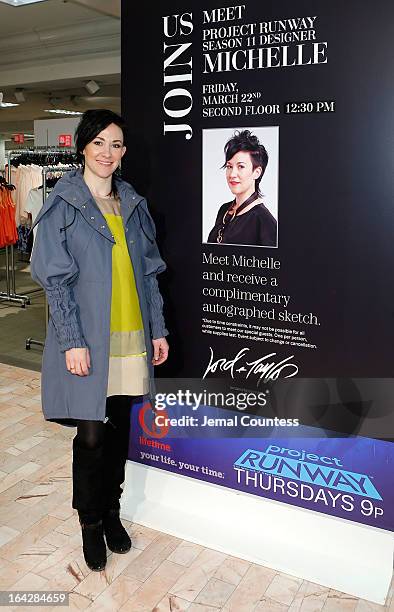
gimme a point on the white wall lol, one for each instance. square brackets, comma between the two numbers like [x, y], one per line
[46, 131]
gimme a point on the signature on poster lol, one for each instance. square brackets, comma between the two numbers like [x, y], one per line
[266, 367]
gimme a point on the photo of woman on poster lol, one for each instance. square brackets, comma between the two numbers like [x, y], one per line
[245, 220]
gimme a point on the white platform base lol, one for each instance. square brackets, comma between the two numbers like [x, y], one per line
[339, 554]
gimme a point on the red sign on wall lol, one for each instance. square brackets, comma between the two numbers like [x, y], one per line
[19, 138]
[65, 140]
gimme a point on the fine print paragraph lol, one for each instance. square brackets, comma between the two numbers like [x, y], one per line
[242, 299]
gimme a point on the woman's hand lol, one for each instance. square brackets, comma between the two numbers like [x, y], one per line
[78, 361]
[160, 351]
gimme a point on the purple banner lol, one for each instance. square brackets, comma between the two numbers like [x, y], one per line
[346, 477]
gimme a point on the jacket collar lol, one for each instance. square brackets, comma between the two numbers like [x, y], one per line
[73, 189]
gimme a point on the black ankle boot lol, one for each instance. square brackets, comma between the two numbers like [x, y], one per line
[94, 549]
[116, 535]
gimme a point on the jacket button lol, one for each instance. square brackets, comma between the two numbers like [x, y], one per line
[92, 218]
[133, 197]
[83, 205]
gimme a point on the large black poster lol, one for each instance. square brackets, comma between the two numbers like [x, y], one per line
[309, 293]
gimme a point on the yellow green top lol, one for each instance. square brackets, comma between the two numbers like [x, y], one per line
[125, 307]
[128, 369]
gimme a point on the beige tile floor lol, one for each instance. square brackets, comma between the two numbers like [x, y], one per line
[40, 542]
[16, 323]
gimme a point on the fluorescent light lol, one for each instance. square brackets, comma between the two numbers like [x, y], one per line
[20, 2]
[58, 111]
[7, 104]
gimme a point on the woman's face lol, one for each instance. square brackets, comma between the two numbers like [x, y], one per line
[103, 154]
[240, 174]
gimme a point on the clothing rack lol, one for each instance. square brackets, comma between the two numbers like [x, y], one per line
[10, 295]
[43, 152]
[45, 171]
[5, 248]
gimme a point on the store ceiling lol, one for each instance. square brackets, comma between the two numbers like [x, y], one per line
[52, 14]
[50, 50]
[108, 7]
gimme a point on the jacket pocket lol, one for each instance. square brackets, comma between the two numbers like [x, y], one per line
[78, 237]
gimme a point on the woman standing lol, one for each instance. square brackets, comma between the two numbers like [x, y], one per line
[96, 256]
[245, 220]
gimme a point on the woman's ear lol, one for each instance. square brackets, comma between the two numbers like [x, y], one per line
[123, 150]
[257, 172]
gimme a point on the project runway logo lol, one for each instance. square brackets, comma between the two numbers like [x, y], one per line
[306, 467]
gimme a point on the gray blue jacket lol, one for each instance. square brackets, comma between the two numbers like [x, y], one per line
[72, 261]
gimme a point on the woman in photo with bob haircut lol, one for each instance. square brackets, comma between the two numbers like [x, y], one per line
[96, 256]
[245, 220]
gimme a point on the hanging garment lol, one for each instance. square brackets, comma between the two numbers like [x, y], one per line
[26, 172]
[8, 233]
[26, 178]
[23, 239]
[33, 205]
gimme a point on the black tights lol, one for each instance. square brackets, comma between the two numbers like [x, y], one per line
[92, 434]
[99, 455]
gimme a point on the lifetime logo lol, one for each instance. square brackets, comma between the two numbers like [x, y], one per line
[273, 461]
[146, 419]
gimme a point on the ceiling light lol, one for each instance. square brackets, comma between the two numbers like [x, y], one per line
[5, 104]
[19, 95]
[58, 111]
[92, 87]
[20, 2]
